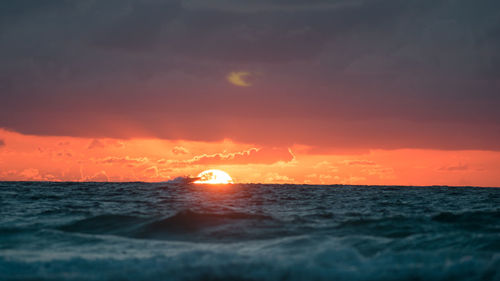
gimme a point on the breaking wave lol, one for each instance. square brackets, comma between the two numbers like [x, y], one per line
[297, 258]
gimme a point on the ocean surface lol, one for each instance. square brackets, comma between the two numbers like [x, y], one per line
[153, 231]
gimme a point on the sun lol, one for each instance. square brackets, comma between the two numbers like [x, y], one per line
[214, 176]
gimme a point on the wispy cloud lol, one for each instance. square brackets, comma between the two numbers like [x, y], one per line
[179, 150]
[122, 160]
[96, 144]
[359, 163]
[239, 78]
[460, 167]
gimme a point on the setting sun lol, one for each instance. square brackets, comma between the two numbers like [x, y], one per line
[214, 176]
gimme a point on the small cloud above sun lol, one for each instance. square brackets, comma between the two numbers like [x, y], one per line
[237, 78]
[214, 176]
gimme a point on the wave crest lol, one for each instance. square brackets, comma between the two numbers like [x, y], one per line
[181, 224]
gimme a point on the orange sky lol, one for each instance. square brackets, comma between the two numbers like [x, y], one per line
[27, 157]
[375, 92]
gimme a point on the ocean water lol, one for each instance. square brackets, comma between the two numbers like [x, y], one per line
[146, 231]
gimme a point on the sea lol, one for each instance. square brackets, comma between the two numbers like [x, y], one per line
[162, 231]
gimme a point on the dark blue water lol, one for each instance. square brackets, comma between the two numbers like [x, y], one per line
[141, 231]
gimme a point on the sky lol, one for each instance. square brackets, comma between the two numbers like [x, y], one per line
[295, 91]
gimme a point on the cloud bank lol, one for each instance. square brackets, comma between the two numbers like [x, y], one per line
[361, 74]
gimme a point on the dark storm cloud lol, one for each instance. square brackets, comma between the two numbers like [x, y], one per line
[140, 27]
[373, 73]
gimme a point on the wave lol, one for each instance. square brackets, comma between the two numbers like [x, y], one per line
[402, 226]
[477, 216]
[189, 224]
[104, 224]
[181, 224]
[391, 227]
[471, 221]
[297, 258]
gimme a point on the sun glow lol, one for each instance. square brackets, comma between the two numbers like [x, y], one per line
[214, 176]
